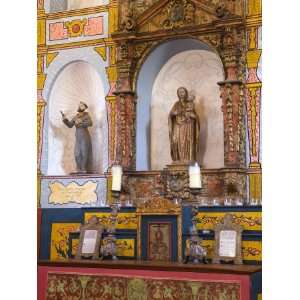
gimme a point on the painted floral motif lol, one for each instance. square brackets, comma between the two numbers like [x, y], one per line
[70, 286]
[60, 240]
[250, 221]
[124, 221]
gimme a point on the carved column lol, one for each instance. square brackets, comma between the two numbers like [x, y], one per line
[253, 97]
[125, 108]
[233, 100]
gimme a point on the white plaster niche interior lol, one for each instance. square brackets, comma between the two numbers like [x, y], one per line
[198, 71]
[62, 5]
[78, 81]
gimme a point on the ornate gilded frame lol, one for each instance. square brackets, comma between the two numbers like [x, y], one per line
[157, 207]
[93, 224]
[228, 225]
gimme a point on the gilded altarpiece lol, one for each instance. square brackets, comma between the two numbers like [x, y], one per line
[221, 26]
[135, 28]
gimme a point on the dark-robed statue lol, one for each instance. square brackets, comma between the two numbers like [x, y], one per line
[83, 146]
[184, 129]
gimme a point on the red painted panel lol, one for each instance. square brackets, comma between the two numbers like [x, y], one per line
[244, 280]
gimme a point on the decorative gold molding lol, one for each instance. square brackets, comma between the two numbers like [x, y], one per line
[252, 38]
[41, 31]
[112, 74]
[158, 206]
[255, 182]
[254, 7]
[65, 46]
[101, 51]
[112, 138]
[112, 19]
[50, 57]
[77, 12]
[254, 21]
[253, 57]
[38, 187]
[41, 78]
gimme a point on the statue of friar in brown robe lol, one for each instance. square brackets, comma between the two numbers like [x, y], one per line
[184, 129]
[83, 146]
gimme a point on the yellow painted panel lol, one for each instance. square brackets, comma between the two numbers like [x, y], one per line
[254, 7]
[259, 297]
[124, 221]
[249, 220]
[41, 32]
[41, 81]
[125, 247]
[60, 239]
[251, 250]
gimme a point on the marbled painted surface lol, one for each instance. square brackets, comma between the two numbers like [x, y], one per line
[79, 81]
[100, 191]
[199, 71]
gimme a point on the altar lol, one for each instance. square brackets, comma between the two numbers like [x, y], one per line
[146, 280]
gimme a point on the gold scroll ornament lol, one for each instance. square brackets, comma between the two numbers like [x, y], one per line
[73, 192]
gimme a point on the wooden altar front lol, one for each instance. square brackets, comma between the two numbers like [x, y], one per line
[146, 280]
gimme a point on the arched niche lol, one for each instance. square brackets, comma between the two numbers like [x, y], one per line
[181, 62]
[77, 81]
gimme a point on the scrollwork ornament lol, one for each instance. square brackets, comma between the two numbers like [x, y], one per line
[179, 13]
[129, 20]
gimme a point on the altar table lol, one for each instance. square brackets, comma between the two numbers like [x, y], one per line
[131, 279]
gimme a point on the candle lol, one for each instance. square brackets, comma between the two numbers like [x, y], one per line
[116, 178]
[195, 177]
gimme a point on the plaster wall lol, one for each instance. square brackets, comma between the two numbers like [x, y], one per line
[78, 81]
[77, 4]
[198, 71]
[63, 5]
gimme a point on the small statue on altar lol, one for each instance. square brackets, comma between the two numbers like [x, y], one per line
[194, 252]
[184, 129]
[109, 247]
[83, 145]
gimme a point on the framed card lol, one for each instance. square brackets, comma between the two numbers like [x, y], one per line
[89, 239]
[228, 240]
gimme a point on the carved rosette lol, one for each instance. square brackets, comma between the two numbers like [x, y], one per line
[177, 184]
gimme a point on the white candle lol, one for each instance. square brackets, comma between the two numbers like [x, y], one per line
[195, 177]
[116, 178]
